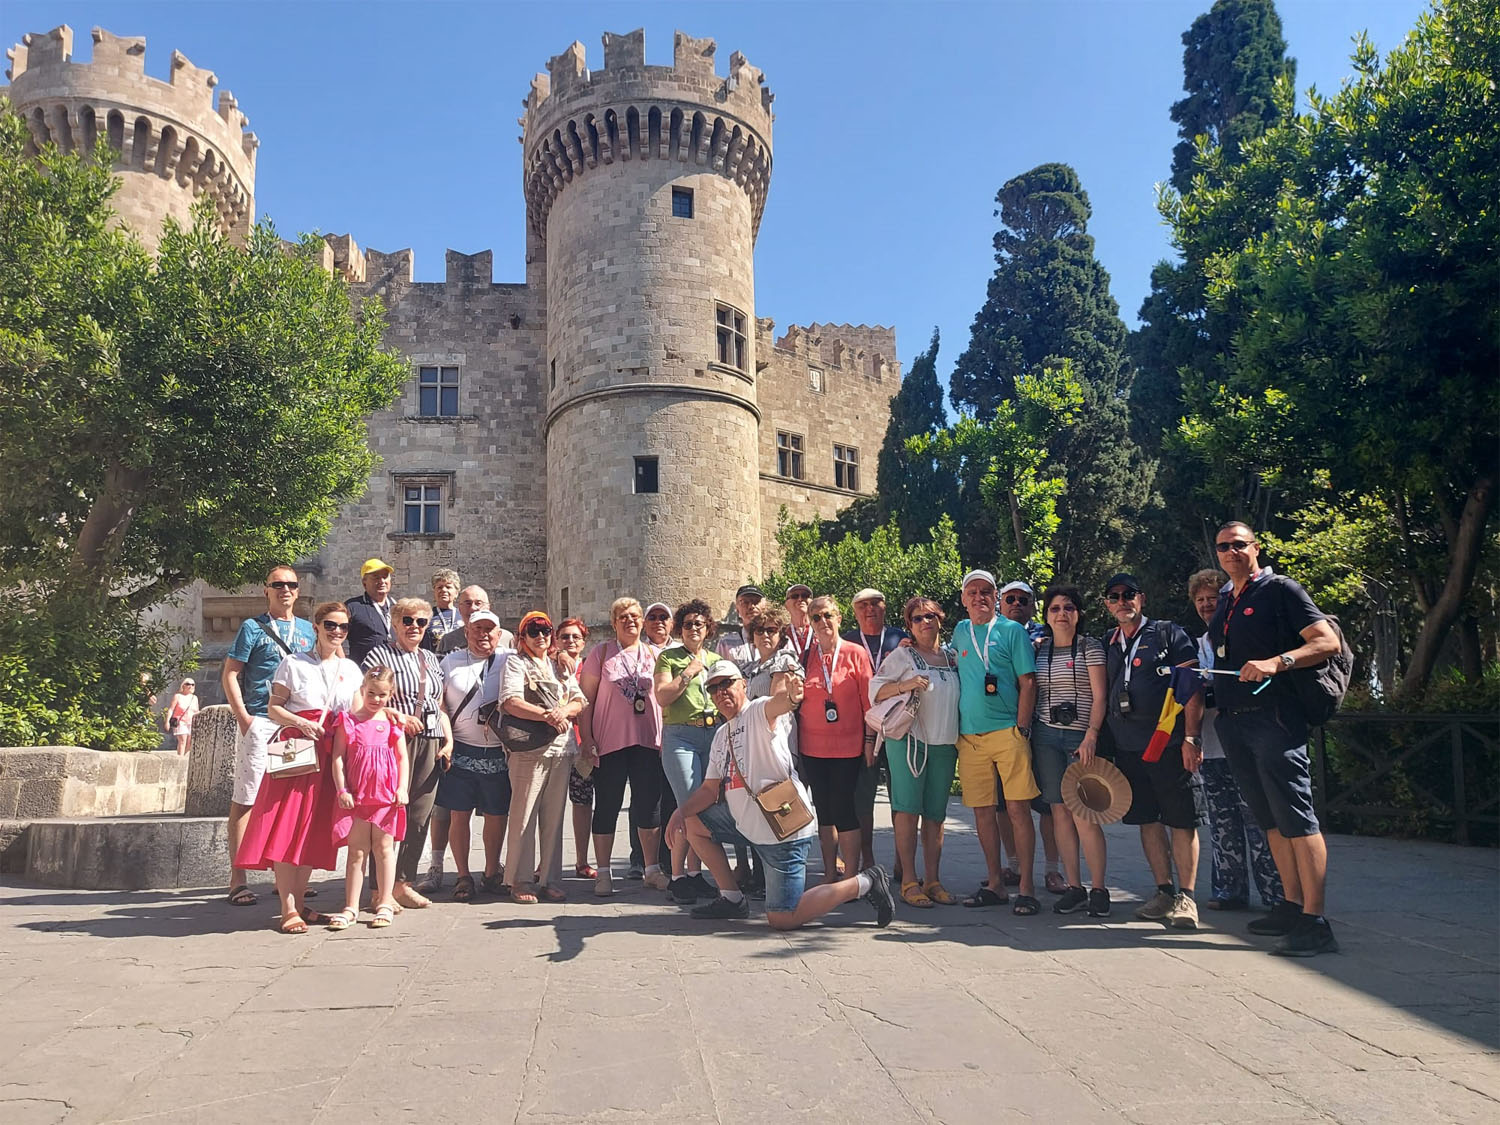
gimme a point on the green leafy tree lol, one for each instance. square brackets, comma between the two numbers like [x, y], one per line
[1049, 301]
[1353, 250]
[196, 414]
[1007, 455]
[843, 566]
[910, 488]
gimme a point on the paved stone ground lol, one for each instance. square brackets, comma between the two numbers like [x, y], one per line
[175, 1007]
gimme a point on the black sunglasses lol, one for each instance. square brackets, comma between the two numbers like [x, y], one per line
[537, 629]
[824, 616]
[658, 617]
[1017, 599]
[765, 630]
[282, 584]
[924, 618]
[1122, 596]
[410, 620]
[335, 626]
[1232, 545]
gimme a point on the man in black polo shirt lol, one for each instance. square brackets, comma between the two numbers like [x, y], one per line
[1167, 793]
[1265, 625]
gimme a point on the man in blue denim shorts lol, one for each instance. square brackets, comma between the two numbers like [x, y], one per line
[749, 753]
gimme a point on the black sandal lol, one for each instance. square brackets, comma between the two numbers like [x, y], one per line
[984, 896]
[242, 896]
[495, 884]
[1025, 906]
[463, 890]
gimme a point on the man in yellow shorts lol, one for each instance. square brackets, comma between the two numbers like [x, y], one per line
[997, 695]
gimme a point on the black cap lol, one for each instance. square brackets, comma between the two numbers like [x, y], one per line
[744, 590]
[1129, 581]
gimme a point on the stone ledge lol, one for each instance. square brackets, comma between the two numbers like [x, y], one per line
[127, 853]
[62, 781]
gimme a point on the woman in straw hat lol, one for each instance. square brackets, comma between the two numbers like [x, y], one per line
[1069, 710]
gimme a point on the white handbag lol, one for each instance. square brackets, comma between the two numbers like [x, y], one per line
[291, 753]
[893, 717]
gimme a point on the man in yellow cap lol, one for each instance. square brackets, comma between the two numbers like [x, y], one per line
[370, 613]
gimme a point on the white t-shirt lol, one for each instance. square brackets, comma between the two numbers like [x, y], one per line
[736, 647]
[762, 752]
[461, 671]
[309, 679]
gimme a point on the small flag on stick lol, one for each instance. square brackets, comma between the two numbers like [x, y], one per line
[1186, 683]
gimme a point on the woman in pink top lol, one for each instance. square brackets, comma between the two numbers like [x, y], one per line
[622, 734]
[831, 733]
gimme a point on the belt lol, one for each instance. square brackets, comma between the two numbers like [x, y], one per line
[703, 721]
[1242, 710]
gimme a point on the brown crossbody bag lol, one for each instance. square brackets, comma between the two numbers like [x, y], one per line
[780, 802]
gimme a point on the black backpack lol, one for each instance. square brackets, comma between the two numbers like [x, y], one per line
[1320, 688]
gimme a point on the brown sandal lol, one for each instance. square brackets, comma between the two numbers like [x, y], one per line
[463, 890]
[913, 895]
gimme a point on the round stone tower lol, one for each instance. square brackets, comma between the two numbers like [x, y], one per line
[645, 186]
[173, 144]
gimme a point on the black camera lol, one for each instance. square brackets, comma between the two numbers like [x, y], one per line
[431, 726]
[486, 712]
[1208, 697]
[1123, 703]
[1064, 714]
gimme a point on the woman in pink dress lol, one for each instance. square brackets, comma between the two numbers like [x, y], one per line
[370, 776]
[290, 829]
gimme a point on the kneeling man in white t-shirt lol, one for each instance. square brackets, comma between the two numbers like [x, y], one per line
[749, 753]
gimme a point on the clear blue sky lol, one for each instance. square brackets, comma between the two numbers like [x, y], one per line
[895, 126]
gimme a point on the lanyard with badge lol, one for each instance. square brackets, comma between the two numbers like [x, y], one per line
[633, 688]
[1123, 702]
[800, 642]
[991, 681]
[826, 662]
[877, 656]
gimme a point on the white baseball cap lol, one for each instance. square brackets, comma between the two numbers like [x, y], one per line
[975, 574]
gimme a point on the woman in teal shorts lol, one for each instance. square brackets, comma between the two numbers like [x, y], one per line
[923, 762]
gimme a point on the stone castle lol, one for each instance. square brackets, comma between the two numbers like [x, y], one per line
[620, 421]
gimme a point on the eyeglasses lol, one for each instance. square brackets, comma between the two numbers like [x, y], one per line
[569, 638]
[410, 620]
[658, 617]
[282, 584]
[924, 618]
[1062, 608]
[825, 617]
[1233, 545]
[537, 629]
[631, 617]
[1017, 599]
[765, 630]
[1121, 596]
[335, 626]
[695, 623]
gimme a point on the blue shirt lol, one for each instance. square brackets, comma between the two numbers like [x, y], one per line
[254, 648]
[1002, 648]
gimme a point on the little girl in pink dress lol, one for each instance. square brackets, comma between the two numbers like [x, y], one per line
[369, 775]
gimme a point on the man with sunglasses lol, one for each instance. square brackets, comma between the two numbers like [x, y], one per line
[1167, 794]
[262, 643]
[1266, 625]
[417, 703]
[370, 613]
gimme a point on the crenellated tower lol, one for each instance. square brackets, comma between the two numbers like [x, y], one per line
[645, 186]
[174, 143]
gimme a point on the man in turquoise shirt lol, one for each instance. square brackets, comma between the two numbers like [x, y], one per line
[997, 695]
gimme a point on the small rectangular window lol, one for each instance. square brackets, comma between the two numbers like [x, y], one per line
[815, 380]
[437, 392]
[422, 506]
[846, 467]
[564, 600]
[682, 203]
[731, 332]
[789, 455]
[645, 475]
[554, 373]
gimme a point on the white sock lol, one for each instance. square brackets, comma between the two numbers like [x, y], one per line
[734, 896]
[864, 883]
[652, 868]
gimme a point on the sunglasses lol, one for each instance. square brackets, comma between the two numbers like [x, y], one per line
[1062, 609]
[924, 618]
[825, 617]
[410, 620]
[536, 629]
[765, 630]
[719, 687]
[1233, 545]
[658, 617]
[1122, 596]
[335, 626]
[695, 623]
[1017, 599]
[282, 584]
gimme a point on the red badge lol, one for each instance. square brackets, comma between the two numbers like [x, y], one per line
[1249, 609]
[1136, 662]
[964, 653]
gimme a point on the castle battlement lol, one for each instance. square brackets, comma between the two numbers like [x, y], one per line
[172, 130]
[577, 119]
[863, 349]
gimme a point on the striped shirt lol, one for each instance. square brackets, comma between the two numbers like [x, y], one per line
[408, 697]
[1063, 676]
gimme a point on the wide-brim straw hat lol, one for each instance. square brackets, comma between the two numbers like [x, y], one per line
[1096, 792]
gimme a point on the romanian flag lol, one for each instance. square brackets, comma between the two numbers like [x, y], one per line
[1186, 682]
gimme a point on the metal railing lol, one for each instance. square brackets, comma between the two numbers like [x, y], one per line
[1435, 776]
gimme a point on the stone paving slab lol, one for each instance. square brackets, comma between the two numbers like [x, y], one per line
[176, 1007]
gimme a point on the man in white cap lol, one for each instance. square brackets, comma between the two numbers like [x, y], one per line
[997, 697]
[1018, 602]
[750, 753]
[878, 639]
[370, 613]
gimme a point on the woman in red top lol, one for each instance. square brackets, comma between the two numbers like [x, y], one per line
[831, 733]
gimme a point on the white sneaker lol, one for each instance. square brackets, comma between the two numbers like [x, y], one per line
[657, 880]
[432, 881]
[604, 885]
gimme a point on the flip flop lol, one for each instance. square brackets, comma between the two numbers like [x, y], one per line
[242, 896]
[913, 895]
[1025, 906]
[986, 897]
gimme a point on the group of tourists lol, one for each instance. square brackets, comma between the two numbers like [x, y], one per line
[386, 724]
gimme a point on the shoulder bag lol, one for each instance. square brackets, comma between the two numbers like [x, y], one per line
[519, 736]
[893, 717]
[780, 802]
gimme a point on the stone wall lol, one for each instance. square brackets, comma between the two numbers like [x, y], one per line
[58, 781]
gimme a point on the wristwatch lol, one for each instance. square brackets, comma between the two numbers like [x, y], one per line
[1288, 661]
[1193, 740]
[1025, 732]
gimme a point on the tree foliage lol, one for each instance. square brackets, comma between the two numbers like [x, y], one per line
[1352, 251]
[1048, 302]
[841, 567]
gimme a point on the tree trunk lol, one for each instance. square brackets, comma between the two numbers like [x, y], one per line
[1471, 659]
[1463, 558]
[103, 533]
[1017, 525]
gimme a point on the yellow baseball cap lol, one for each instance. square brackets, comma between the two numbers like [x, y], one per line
[374, 566]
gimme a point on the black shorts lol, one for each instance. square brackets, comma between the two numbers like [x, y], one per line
[1163, 792]
[833, 782]
[485, 790]
[1268, 756]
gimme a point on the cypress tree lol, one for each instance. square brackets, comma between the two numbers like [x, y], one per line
[914, 490]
